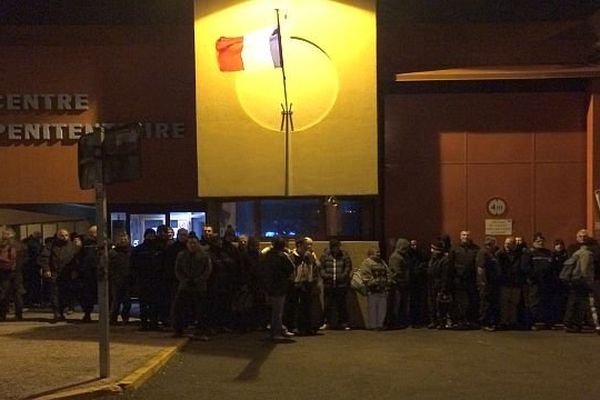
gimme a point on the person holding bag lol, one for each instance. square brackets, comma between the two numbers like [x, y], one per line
[375, 276]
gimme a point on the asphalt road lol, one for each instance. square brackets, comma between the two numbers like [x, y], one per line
[409, 364]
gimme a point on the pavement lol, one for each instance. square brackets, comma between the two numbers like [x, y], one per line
[417, 364]
[47, 361]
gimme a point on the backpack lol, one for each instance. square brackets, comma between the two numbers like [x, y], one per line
[571, 272]
[357, 283]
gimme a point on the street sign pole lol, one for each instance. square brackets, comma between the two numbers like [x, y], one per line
[104, 158]
[103, 323]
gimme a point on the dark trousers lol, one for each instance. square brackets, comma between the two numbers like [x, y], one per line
[88, 294]
[32, 281]
[120, 301]
[540, 303]
[511, 299]
[489, 306]
[398, 308]
[336, 306]
[149, 306]
[303, 297]
[189, 302]
[577, 306]
[11, 287]
[60, 293]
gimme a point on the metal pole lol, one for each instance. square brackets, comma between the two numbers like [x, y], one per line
[286, 111]
[101, 217]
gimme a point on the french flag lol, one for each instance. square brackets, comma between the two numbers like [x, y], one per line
[254, 51]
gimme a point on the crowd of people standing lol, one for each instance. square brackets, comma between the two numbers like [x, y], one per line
[226, 283]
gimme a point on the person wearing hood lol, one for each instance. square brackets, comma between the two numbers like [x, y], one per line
[438, 289]
[399, 298]
[375, 275]
[336, 271]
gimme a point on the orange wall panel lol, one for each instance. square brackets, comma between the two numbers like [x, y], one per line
[130, 73]
[560, 201]
[463, 149]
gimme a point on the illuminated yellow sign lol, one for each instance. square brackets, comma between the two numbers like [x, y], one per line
[324, 84]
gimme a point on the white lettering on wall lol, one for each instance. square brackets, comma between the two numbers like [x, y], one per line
[73, 131]
[44, 102]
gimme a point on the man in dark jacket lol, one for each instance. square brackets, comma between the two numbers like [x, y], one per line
[463, 269]
[88, 273]
[399, 297]
[278, 269]
[147, 280]
[541, 285]
[58, 262]
[336, 270]
[488, 285]
[120, 278]
[192, 268]
[514, 264]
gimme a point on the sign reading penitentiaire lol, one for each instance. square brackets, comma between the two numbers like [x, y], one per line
[59, 105]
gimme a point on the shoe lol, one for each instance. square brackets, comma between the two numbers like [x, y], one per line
[324, 327]
[347, 328]
[288, 334]
[489, 328]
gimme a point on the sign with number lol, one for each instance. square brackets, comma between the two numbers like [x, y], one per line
[496, 206]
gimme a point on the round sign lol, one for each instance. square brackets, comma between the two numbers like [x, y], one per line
[496, 206]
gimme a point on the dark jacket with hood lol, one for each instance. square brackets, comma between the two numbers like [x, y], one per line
[400, 265]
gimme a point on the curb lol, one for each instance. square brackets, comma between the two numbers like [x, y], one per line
[130, 382]
[142, 374]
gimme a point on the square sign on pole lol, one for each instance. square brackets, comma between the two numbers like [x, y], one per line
[107, 156]
[89, 156]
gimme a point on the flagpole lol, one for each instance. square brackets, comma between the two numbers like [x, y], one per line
[286, 113]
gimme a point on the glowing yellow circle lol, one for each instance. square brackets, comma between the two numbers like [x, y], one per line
[312, 87]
